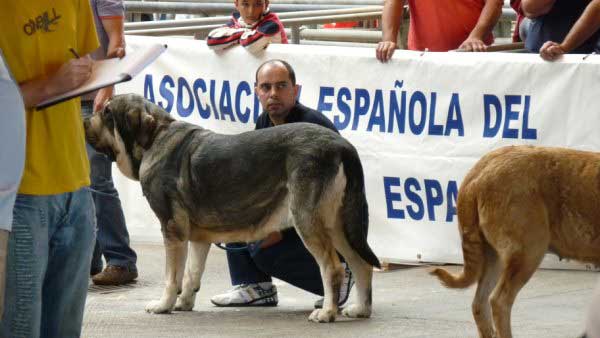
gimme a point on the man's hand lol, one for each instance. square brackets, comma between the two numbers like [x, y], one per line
[72, 74]
[551, 51]
[119, 52]
[102, 97]
[3, 254]
[472, 45]
[271, 239]
[69, 76]
[385, 50]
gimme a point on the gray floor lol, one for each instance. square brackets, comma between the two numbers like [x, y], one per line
[407, 303]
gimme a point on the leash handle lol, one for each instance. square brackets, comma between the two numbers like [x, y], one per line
[221, 246]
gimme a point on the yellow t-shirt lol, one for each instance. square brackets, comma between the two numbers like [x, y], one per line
[36, 37]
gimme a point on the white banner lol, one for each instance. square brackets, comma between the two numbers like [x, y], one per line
[419, 121]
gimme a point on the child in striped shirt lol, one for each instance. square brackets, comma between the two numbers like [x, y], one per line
[252, 25]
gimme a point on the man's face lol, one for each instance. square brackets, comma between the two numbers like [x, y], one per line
[275, 91]
[251, 10]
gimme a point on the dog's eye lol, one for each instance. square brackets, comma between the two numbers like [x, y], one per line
[106, 111]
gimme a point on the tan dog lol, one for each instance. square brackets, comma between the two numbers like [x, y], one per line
[514, 205]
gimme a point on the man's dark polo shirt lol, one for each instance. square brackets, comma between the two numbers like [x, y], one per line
[299, 113]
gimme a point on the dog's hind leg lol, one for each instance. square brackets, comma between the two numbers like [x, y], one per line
[520, 256]
[482, 311]
[363, 273]
[318, 242]
[307, 196]
[331, 272]
[520, 267]
[176, 254]
[193, 273]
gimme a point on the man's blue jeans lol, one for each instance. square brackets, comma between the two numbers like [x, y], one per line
[112, 235]
[48, 265]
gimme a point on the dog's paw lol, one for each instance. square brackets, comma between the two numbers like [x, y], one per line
[322, 316]
[184, 304]
[356, 311]
[158, 306]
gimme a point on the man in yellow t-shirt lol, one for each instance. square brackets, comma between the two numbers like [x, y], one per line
[50, 246]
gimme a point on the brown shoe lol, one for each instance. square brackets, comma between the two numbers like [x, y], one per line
[114, 275]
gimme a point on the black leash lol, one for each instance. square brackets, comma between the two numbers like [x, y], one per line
[221, 246]
[218, 245]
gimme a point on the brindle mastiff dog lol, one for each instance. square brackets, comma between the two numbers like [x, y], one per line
[515, 204]
[208, 188]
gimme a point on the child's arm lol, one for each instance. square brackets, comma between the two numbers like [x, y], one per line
[226, 36]
[258, 39]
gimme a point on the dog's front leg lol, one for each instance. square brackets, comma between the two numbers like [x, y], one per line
[176, 252]
[193, 273]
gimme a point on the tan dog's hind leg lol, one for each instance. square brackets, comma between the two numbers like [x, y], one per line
[176, 252]
[363, 274]
[481, 303]
[193, 273]
[520, 268]
[521, 244]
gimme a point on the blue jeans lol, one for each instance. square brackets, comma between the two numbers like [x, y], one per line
[48, 264]
[288, 260]
[112, 235]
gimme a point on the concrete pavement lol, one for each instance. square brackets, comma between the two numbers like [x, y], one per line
[407, 303]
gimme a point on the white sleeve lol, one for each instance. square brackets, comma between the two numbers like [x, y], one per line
[12, 144]
[255, 41]
[223, 37]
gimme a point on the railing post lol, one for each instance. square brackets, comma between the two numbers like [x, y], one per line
[296, 34]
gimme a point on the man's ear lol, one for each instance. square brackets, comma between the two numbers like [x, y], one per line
[145, 130]
[296, 91]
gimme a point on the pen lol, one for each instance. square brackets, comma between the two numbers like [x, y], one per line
[74, 53]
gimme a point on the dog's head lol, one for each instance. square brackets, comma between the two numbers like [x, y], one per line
[124, 129]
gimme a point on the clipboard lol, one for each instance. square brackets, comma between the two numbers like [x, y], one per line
[109, 72]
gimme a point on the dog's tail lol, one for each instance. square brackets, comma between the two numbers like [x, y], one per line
[355, 211]
[473, 244]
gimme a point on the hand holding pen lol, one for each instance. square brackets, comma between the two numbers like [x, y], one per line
[73, 73]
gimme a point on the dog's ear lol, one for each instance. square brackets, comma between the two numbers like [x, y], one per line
[142, 126]
[145, 130]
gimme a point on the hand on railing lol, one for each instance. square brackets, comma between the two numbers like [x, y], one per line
[385, 50]
[551, 51]
[472, 45]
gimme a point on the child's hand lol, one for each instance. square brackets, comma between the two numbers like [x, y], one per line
[223, 37]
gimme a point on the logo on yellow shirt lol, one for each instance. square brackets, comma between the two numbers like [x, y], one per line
[42, 22]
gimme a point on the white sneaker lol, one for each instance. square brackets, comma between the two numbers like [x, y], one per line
[256, 294]
[345, 288]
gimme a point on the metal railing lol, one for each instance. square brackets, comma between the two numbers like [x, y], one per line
[214, 8]
[300, 2]
[296, 23]
[293, 23]
[223, 19]
[357, 36]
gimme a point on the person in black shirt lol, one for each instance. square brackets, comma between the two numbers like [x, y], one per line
[281, 254]
[552, 20]
[583, 36]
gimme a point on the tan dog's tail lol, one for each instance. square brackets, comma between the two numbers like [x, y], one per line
[472, 244]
